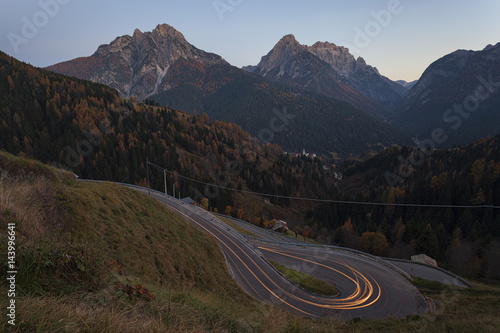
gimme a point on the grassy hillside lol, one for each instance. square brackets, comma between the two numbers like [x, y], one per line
[103, 258]
[83, 249]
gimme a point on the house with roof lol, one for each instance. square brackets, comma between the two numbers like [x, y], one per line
[279, 226]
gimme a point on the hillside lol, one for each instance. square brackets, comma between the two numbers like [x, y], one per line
[287, 116]
[465, 240]
[84, 248]
[88, 129]
[457, 94]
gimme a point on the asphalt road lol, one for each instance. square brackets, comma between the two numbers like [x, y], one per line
[412, 269]
[428, 273]
[367, 289]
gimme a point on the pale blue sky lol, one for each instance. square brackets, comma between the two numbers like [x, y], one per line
[400, 46]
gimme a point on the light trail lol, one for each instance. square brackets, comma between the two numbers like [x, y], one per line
[358, 299]
[367, 290]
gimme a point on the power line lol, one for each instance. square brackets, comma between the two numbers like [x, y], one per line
[323, 200]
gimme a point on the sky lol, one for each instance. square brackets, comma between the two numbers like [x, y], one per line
[399, 37]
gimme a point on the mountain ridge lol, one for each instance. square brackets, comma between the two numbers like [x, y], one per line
[459, 94]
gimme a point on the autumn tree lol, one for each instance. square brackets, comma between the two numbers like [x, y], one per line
[306, 231]
[228, 210]
[240, 213]
[204, 203]
[349, 236]
[373, 242]
[297, 230]
[204, 118]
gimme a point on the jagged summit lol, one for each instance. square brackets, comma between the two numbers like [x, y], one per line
[281, 55]
[136, 65]
[333, 71]
[289, 41]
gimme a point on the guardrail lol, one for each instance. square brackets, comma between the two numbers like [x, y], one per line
[258, 229]
[468, 284]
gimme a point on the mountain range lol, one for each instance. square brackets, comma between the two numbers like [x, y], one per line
[331, 70]
[341, 101]
[163, 66]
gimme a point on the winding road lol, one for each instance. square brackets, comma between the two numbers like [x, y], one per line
[367, 289]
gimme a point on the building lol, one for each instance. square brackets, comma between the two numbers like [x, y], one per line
[279, 226]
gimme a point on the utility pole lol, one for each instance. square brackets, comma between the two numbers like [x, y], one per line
[165, 177]
[173, 190]
[147, 172]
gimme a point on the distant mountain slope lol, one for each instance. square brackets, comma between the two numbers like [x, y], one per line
[331, 70]
[136, 65]
[316, 123]
[459, 93]
[438, 73]
[407, 85]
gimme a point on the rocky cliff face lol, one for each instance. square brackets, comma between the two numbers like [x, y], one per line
[358, 74]
[281, 61]
[136, 65]
[331, 70]
[337, 57]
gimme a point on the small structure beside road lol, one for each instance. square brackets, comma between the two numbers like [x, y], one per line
[279, 226]
[424, 259]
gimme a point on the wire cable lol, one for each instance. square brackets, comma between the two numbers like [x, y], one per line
[324, 200]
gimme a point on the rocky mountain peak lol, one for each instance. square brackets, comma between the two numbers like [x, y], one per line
[288, 40]
[337, 57]
[329, 52]
[138, 36]
[281, 55]
[137, 65]
[165, 30]
[288, 44]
